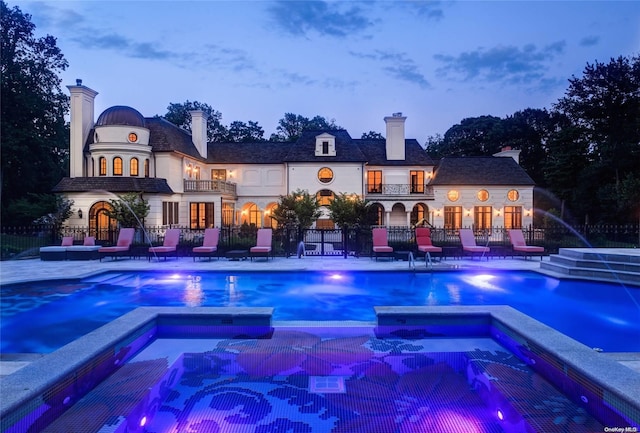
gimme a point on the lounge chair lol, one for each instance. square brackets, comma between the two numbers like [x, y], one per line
[122, 247]
[520, 246]
[469, 246]
[423, 239]
[381, 243]
[209, 245]
[56, 252]
[169, 245]
[263, 244]
[87, 251]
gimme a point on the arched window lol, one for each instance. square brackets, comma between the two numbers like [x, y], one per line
[103, 166]
[325, 196]
[133, 167]
[251, 214]
[117, 166]
[146, 168]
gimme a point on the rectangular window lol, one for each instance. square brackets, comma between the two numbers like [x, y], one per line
[374, 181]
[417, 181]
[325, 147]
[227, 214]
[452, 217]
[513, 217]
[146, 168]
[170, 212]
[201, 215]
[103, 166]
[219, 174]
[482, 217]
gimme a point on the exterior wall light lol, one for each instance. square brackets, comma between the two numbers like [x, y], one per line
[80, 213]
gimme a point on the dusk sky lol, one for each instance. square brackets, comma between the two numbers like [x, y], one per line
[352, 61]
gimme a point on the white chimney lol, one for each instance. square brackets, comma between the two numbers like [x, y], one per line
[199, 131]
[508, 152]
[395, 136]
[81, 117]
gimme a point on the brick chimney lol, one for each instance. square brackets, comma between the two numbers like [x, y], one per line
[81, 117]
[199, 131]
[395, 136]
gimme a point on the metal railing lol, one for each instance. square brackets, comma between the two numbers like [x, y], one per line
[25, 241]
[395, 189]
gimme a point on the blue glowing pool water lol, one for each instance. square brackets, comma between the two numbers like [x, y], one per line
[43, 316]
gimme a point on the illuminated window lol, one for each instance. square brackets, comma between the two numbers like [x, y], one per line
[452, 217]
[103, 166]
[219, 174]
[201, 215]
[513, 195]
[117, 166]
[453, 195]
[374, 181]
[133, 137]
[325, 175]
[133, 167]
[482, 217]
[146, 168]
[325, 197]
[513, 217]
[417, 181]
[483, 195]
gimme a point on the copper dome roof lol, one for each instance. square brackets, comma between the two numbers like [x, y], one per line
[120, 115]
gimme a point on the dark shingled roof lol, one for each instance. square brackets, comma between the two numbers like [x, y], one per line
[120, 115]
[481, 170]
[262, 152]
[164, 136]
[375, 151]
[113, 184]
[304, 149]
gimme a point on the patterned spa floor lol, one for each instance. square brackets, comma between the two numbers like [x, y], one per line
[370, 385]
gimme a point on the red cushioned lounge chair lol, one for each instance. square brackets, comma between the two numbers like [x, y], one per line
[263, 244]
[123, 246]
[209, 245]
[381, 243]
[469, 246]
[423, 239]
[520, 246]
[169, 245]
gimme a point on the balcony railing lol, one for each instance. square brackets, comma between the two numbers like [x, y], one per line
[401, 189]
[210, 185]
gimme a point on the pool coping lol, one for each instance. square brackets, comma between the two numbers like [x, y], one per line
[29, 383]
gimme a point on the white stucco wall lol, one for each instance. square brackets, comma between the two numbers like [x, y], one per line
[347, 178]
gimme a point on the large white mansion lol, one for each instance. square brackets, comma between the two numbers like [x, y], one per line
[192, 183]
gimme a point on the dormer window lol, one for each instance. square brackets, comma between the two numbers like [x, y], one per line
[325, 145]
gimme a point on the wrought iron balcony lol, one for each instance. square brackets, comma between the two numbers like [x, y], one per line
[397, 189]
[210, 185]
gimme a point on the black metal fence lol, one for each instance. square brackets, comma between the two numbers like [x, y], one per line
[23, 242]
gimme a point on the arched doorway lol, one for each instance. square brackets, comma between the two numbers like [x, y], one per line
[250, 215]
[420, 215]
[101, 225]
[269, 221]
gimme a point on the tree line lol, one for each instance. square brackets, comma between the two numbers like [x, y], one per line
[583, 152]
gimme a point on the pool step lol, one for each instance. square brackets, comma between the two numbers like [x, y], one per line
[628, 359]
[12, 362]
[621, 265]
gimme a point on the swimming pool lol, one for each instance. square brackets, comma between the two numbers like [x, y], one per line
[472, 369]
[43, 316]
